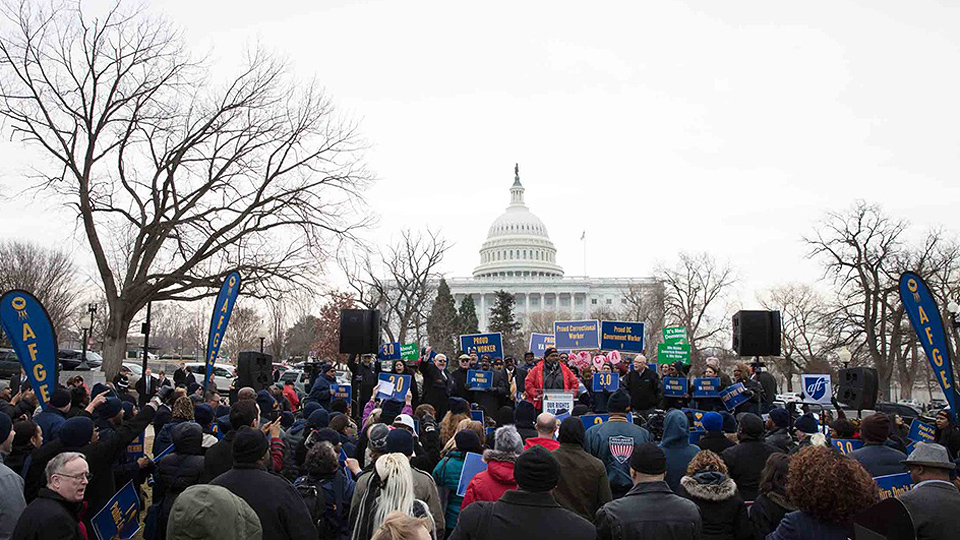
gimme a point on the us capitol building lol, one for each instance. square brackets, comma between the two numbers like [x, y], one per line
[518, 257]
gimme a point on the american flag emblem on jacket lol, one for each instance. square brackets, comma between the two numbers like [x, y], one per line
[621, 447]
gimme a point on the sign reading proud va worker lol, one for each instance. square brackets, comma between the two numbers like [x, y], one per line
[571, 335]
[483, 344]
[621, 336]
[540, 342]
[32, 337]
[479, 380]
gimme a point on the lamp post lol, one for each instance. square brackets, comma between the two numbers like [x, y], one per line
[844, 355]
[261, 344]
[87, 325]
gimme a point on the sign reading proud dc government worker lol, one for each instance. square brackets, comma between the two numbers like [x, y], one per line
[483, 344]
[608, 382]
[27, 325]
[706, 387]
[621, 336]
[540, 342]
[734, 395]
[571, 335]
[479, 380]
[400, 385]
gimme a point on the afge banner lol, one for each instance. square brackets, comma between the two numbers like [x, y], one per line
[31, 335]
[221, 316]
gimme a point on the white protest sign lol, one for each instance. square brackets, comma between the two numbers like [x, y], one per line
[555, 402]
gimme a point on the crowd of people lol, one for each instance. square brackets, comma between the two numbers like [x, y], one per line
[279, 463]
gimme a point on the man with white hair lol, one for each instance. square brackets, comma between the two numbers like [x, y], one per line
[643, 385]
[53, 514]
[436, 383]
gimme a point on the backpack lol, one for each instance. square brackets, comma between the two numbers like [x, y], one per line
[324, 513]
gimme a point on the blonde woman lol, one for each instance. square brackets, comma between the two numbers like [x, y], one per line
[389, 489]
[399, 526]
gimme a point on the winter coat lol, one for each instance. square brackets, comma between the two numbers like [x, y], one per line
[492, 483]
[164, 438]
[583, 487]
[447, 475]
[799, 526]
[879, 459]
[12, 502]
[745, 462]
[320, 391]
[205, 511]
[644, 388]
[50, 419]
[49, 517]
[612, 443]
[533, 384]
[126, 467]
[281, 511]
[490, 400]
[364, 379]
[177, 471]
[781, 439]
[326, 486]
[368, 489]
[676, 446]
[933, 509]
[521, 514]
[722, 510]
[292, 441]
[649, 510]
[436, 386]
[767, 511]
[458, 385]
[526, 431]
[949, 438]
[715, 441]
[549, 443]
[18, 456]
[218, 459]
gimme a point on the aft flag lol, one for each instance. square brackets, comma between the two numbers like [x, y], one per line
[32, 337]
[221, 316]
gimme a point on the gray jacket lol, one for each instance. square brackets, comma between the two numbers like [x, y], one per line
[12, 502]
[933, 510]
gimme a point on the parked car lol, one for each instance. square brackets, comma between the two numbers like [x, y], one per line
[9, 363]
[223, 374]
[907, 412]
[70, 359]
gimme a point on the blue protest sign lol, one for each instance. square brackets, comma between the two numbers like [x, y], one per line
[925, 319]
[594, 419]
[571, 335]
[476, 415]
[27, 325]
[893, 485]
[120, 517]
[706, 387]
[483, 344]
[341, 391]
[400, 383]
[911, 446]
[472, 465]
[609, 382]
[847, 446]
[695, 436]
[674, 386]
[697, 418]
[163, 454]
[621, 336]
[920, 431]
[490, 432]
[540, 342]
[479, 380]
[390, 351]
[226, 299]
[733, 395]
[135, 449]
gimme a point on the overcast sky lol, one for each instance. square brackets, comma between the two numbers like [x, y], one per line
[657, 127]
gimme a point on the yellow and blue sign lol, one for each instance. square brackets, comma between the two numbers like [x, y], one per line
[120, 518]
[539, 343]
[135, 449]
[390, 351]
[893, 485]
[226, 299]
[479, 380]
[608, 382]
[734, 395]
[570, 335]
[28, 327]
[674, 386]
[401, 385]
[921, 432]
[706, 387]
[476, 415]
[927, 323]
[341, 391]
[483, 344]
[847, 446]
[697, 415]
[621, 336]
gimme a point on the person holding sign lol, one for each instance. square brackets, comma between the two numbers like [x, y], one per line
[54, 513]
[947, 434]
[400, 368]
[604, 387]
[436, 383]
[934, 500]
[320, 391]
[644, 387]
[488, 387]
[492, 483]
[550, 374]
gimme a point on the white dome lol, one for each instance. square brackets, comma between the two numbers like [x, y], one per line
[517, 245]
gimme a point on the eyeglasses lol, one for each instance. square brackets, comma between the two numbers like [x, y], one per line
[79, 477]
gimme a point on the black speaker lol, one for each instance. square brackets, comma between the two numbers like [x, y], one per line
[756, 333]
[254, 369]
[359, 331]
[858, 387]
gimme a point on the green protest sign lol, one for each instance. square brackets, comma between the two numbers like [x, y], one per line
[409, 353]
[675, 335]
[668, 354]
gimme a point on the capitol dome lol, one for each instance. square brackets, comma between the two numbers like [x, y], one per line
[517, 245]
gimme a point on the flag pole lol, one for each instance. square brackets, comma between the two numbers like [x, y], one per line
[583, 237]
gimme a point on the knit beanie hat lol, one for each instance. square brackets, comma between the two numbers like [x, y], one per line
[808, 424]
[580, 409]
[729, 422]
[712, 421]
[875, 428]
[203, 414]
[507, 439]
[619, 402]
[249, 445]
[780, 417]
[400, 441]
[391, 408]
[110, 408]
[328, 435]
[377, 437]
[648, 458]
[751, 425]
[100, 388]
[505, 416]
[76, 432]
[319, 418]
[127, 409]
[308, 408]
[60, 398]
[536, 470]
[6, 426]
[457, 406]
[468, 441]
[526, 413]
[572, 431]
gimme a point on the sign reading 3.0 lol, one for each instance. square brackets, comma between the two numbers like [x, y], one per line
[401, 385]
[608, 382]
[483, 344]
[390, 351]
[571, 335]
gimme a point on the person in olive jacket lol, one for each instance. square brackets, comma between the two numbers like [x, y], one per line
[583, 487]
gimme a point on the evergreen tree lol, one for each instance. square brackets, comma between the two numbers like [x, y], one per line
[442, 326]
[502, 320]
[467, 320]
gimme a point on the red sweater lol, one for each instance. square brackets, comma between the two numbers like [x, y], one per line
[549, 444]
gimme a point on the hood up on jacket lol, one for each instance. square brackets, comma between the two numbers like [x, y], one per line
[676, 430]
[187, 438]
[709, 486]
[204, 512]
[500, 465]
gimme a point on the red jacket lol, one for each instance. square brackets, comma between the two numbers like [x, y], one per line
[492, 483]
[291, 395]
[549, 444]
[534, 383]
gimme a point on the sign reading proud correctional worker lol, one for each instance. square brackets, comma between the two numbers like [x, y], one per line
[27, 325]
[483, 344]
[621, 336]
[571, 335]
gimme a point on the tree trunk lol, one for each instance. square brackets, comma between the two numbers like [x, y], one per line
[115, 344]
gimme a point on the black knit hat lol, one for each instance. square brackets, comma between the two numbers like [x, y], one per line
[536, 470]
[60, 398]
[619, 402]
[648, 458]
[468, 441]
[751, 425]
[457, 406]
[391, 408]
[249, 445]
[571, 431]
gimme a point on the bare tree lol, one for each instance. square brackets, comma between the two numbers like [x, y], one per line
[176, 181]
[244, 331]
[399, 280]
[693, 289]
[646, 304]
[541, 322]
[46, 273]
[806, 336]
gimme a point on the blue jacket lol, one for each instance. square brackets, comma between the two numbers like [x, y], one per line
[879, 459]
[676, 445]
[447, 475]
[612, 443]
[321, 392]
[50, 419]
[800, 526]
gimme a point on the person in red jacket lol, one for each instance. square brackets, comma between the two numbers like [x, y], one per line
[550, 374]
[492, 483]
[546, 429]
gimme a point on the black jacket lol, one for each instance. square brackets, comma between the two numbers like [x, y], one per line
[280, 508]
[649, 510]
[49, 517]
[644, 388]
[489, 400]
[722, 510]
[142, 392]
[364, 379]
[459, 385]
[745, 462]
[715, 441]
[178, 470]
[767, 511]
[436, 386]
[781, 439]
[521, 514]
[218, 459]
[949, 438]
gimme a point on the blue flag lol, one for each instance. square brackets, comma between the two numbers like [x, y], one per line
[927, 323]
[28, 327]
[120, 517]
[221, 316]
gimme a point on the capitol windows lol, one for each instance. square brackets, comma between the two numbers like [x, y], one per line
[593, 301]
[609, 301]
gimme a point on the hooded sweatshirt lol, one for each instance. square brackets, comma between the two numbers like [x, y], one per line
[205, 511]
[676, 445]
